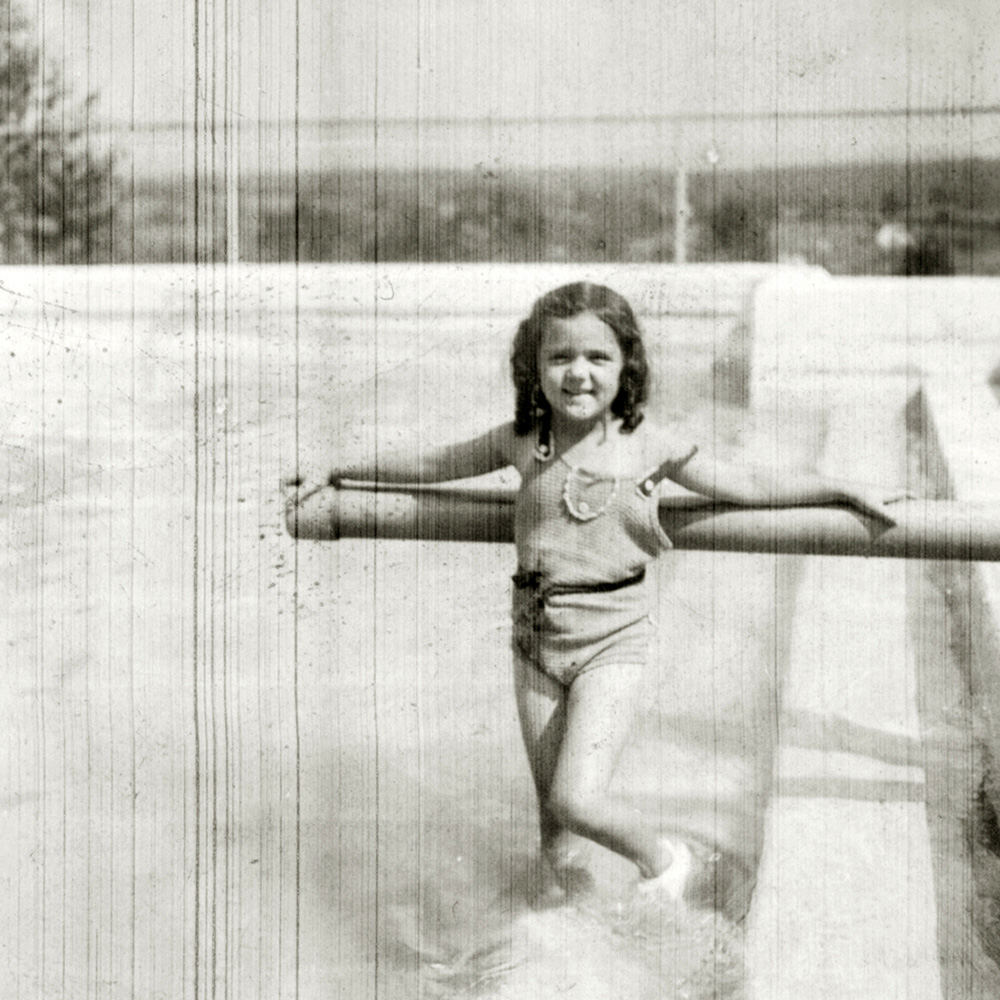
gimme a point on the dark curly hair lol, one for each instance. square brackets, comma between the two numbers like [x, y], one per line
[531, 409]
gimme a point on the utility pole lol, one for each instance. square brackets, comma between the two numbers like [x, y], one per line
[231, 129]
[681, 207]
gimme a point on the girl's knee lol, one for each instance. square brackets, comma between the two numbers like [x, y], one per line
[549, 825]
[575, 810]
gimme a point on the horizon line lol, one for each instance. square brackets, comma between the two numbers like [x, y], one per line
[244, 121]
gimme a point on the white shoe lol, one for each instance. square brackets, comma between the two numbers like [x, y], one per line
[670, 884]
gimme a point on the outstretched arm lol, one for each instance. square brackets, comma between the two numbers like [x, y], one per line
[760, 486]
[462, 460]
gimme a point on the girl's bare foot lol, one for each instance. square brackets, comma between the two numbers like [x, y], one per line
[571, 872]
[670, 883]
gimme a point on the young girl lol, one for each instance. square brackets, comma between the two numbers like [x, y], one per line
[586, 525]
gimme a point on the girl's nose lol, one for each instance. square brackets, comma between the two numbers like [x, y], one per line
[578, 369]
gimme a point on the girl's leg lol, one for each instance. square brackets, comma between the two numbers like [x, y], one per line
[541, 705]
[596, 721]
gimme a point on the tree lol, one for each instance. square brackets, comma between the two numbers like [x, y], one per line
[739, 228]
[929, 254]
[56, 193]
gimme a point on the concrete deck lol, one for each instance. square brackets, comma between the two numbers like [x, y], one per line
[868, 881]
[844, 907]
[231, 763]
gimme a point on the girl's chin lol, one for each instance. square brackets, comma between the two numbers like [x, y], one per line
[574, 414]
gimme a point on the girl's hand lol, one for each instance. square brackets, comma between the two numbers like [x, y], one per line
[297, 479]
[874, 503]
[301, 482]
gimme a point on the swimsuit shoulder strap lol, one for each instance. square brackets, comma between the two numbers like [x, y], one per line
[649, 482]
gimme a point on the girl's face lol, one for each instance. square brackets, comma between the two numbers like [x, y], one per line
[579, 367]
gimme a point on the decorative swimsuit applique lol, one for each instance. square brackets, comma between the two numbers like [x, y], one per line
[586, 495]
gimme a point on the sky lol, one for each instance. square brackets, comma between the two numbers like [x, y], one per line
[408, 64]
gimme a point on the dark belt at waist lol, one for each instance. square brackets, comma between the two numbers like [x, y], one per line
[533, 580]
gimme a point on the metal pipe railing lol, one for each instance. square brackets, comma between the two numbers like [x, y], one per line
[924, 529]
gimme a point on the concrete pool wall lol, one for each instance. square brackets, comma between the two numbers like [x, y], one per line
[858, 866]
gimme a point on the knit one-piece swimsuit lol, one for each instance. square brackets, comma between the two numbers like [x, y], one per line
[581, 598]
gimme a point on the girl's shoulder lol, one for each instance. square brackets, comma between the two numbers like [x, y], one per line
[503, 438]
[520, 448]
[664, 441]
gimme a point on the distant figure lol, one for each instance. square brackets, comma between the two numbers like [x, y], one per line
[914, 255]
[893, 237]
[586, 526]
